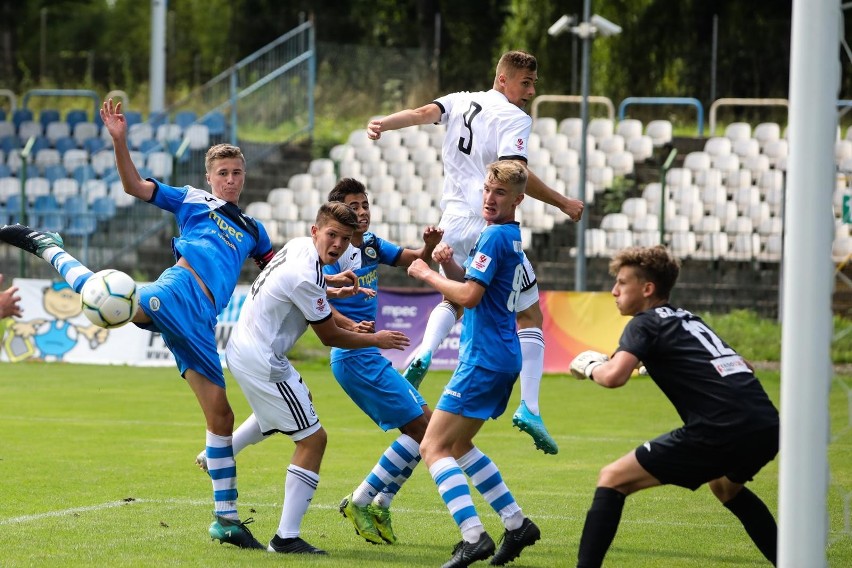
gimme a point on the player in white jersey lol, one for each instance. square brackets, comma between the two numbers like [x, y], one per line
[287, 296]
[483, 127]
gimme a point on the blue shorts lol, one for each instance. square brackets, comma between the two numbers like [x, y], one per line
[186, 318]
[378, 389]
[477, 392]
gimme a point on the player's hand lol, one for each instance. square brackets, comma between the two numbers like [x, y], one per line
[388, 339]
[364, 327]
[374, 129]
[443, 253]
[341, 279]
[432, 236]
[419, 269]
[114, 121]
[9, 302]
[573, 208]
[583, 364]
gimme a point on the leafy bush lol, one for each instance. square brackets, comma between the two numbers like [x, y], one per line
[759, 339]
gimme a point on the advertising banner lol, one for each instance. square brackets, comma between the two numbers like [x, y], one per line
[54, 329]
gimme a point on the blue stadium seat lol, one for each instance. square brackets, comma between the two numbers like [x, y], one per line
[110, 174]
[54, 172]
[2, 114]
[64, 144]
[47, 116]
[46, 214]
[83, 173]
[21, 115]
[156, 119]
[184, 118]
[40, 143]
[103, 208]
[132, 117]
[13, 208]
[215, 122]
[80, 221]
[5, 171]
[149, 145]
[9, 143]
[76, 115]
[94, 145]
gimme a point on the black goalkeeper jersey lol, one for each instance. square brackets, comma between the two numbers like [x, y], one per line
[716, 395]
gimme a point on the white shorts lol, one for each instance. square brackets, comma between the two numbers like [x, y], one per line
[461, 232]
[279, 407]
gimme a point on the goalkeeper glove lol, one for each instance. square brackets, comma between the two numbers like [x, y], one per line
[586, 362]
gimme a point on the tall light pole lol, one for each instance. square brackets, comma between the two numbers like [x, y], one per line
[586, 30]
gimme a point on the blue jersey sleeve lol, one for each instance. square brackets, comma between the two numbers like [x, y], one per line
[482, 264]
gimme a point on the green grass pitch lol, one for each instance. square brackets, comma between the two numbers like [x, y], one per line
[97, 469]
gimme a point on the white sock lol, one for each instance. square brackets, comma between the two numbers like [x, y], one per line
[299, 488]
[438, 327]
[247, 434]
[532, 367]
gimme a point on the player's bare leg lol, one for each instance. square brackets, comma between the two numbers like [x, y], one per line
[438, 327]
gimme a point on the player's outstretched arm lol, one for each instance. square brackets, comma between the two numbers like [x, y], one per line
[612, 373]
[333, 336]
[431, 238]
[115, 122]
[537, 189]
[427, 114]
[467, 294]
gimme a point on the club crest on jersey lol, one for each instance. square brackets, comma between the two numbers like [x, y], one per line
[321, 305]
[371, 252]
[481, 262]
[519, 145]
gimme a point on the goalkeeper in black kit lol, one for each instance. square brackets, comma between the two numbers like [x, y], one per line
[730, 428]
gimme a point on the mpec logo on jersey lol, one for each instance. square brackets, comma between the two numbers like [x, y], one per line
[519, 145]
[481, 262]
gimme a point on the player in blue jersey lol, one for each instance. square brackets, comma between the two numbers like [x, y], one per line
[489, 288]
[368, 377]
[730, 428]
[215, 239]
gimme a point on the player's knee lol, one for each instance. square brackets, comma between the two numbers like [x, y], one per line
[530, 317]
[416, 429]
[723, 489]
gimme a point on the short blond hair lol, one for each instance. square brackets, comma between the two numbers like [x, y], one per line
[516, 60]
[511, 173]
[336, 211]
[222, 152]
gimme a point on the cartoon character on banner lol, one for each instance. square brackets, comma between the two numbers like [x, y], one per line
[51, 339]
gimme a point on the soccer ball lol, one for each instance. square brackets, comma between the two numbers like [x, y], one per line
[109, 298]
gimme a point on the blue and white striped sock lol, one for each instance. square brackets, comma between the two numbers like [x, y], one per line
[404, 455]
[454, 490]
[392, 470]
[488, 481]
[223, 471]
[68, 267]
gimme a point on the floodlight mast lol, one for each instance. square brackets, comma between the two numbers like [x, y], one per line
[585, 30]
